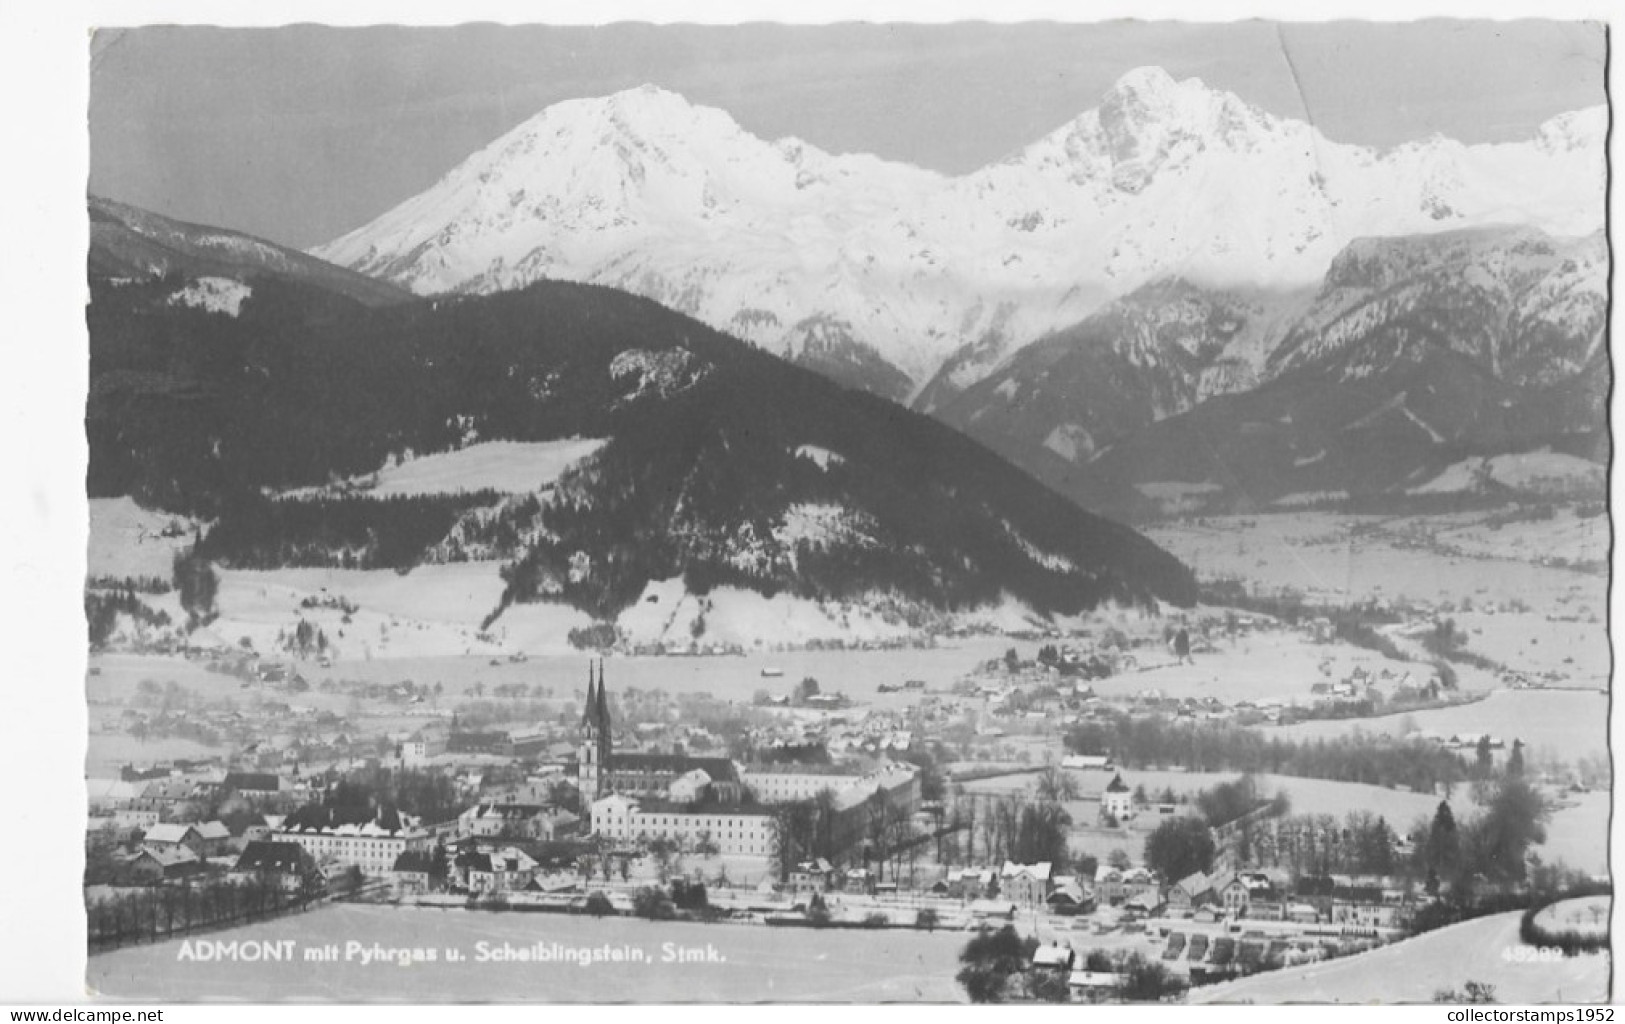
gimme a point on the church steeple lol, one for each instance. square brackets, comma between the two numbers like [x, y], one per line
[603, 699]
[596, 751]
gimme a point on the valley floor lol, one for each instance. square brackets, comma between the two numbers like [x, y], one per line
[1485, 950]
[761, 964]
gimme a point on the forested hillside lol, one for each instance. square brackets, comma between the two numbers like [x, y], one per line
[724, 464]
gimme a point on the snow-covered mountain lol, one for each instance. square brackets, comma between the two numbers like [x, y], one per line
[1414, 354]
[1491, 338]
[1154, 353]
[915, 284]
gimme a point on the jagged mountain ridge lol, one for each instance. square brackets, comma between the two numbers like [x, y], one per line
[1529, 308]
[932, 280]
[1154, 353]
[725, 465]
[131, 243]
[1414, 353]
[1524, 308]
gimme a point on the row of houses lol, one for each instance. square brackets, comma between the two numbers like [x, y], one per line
[1340, 900]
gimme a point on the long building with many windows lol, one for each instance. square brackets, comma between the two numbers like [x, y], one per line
[371, 845]
[736, 830]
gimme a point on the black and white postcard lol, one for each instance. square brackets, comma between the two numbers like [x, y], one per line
[1035, 512]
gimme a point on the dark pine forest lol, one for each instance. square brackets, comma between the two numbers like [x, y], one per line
[210, 415]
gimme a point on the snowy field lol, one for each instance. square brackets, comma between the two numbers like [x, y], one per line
[457, 592]
[105, 754]
[859, 674]
[1342, 558]
[1586, 914]
[508, 467]
[432, 611]
[1566, 535]
[666, 612]
[1543, 471]
[762, 964]
[1568, 724]
[1484, 950]
[120, 675]
[511, 467]
[1277, 665]
[1577, 833]
[126, 540]
[1577, 652]
[435, 609]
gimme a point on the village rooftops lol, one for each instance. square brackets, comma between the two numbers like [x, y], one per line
[1039, 872]
[251, 782]
[652, 805]
[168, 857]
[720, 769]
[795, 768]
[473, 860]
[413, 860]
[317, 819]
[887, 777]
[506, 812]
[1068, 888]
[1147, 901]
[280, 857]
[170, 832]
[213, 831]
[1106, 873]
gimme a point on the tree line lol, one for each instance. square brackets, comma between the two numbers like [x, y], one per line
[1152, 742]
[158, 912]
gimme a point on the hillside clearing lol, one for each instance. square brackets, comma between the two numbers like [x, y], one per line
[508, 467]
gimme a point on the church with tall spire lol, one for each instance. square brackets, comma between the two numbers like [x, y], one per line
[596, 739]
[635, 795]
[600, 771]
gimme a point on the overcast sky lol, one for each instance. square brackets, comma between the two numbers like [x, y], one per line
[300, 134]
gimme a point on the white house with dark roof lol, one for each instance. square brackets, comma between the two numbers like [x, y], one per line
[170, 836]
[1026, 883]
[1117, 800]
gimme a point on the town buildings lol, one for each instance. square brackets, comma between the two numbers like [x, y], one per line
[736, 830]
[371, 843]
